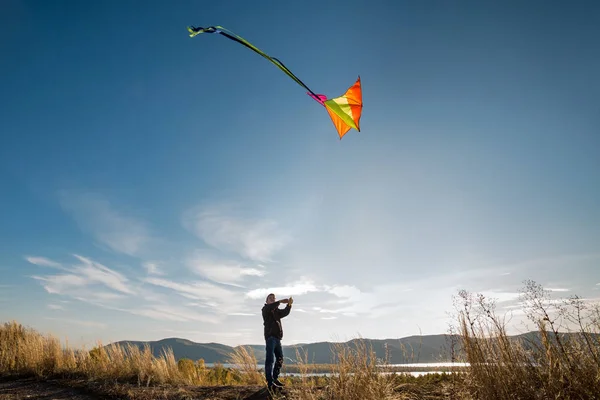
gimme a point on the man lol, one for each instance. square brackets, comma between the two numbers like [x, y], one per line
[273, 334]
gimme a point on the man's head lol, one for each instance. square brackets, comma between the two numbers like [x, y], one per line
[270, 298]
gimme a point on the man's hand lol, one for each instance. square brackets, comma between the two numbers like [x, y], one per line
[290, 301]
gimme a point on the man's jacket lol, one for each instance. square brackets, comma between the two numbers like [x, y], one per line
[272, 319]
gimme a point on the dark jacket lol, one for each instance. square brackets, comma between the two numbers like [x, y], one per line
[272, 319]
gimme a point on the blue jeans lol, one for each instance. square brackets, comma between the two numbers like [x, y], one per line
[274, 355]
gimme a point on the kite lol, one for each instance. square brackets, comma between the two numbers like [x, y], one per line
[345, 111]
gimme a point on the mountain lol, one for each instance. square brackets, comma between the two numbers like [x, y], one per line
[411, 349]
[430, 348]
[183, 348]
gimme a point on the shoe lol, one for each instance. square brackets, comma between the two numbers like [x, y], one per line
[278, 383]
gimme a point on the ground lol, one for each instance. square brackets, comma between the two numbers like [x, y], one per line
[30, 388]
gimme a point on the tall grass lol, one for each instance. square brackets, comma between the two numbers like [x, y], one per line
[356, 374]
[558, 361]
[23, 351]
[245, 360]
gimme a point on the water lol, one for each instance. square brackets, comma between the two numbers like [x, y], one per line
[414, 369]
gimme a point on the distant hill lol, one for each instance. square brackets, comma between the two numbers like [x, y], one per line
[183, 348]
[412, 349]
[431, 348]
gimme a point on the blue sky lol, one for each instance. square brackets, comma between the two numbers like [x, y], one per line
[154, 185]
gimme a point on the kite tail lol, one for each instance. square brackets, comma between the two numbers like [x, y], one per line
[236, 38]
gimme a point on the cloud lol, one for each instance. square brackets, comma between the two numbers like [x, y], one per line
[557, 290]
[96, 272]
[43, 262]
[94, 283]
[291, 290]
[90, 324]
[223, 271]
[345, 291]
[162, 308]
[381, 300]
[171, 313]
[500, 296]
[88, 273]
[60, 284]
[206, 291]
[152, 268]
[99, 296]
[254, 239]
[96, 216]
[215, 335]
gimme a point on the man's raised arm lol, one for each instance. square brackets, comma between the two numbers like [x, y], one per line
[285, 312]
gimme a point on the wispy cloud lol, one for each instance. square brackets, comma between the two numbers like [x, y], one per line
[344, 291]
[252, 238]
[206, 291]
[341, 299]
[93, 283]
[95, 215]
[290, 290]
[501, 296]
[152, 268]
[60, 284]
[43, 262]
[96, 272]
[344, 300]
[563, 260]
[557, 290]
[219, 270]
[212, 333]
[85, 274]
[154, 306]
[90, 324]
[164, 312]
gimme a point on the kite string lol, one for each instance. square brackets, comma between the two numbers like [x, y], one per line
[230, 35]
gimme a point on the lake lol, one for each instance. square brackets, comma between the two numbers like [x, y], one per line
[414, 369]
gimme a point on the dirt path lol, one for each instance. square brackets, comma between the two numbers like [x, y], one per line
[30, 388]
[35, 389]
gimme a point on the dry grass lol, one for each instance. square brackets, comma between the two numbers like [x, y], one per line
[24, 351]
[245, 361]
[549, 364]
[356, 374]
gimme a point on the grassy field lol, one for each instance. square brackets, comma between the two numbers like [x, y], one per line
[546, 365]
[559, 361]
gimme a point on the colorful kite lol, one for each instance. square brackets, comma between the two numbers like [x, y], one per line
[345, 111]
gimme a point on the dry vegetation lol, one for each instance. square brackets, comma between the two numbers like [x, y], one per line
[548, 364]
[357, 374]
[559, 361]
[23, 351]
